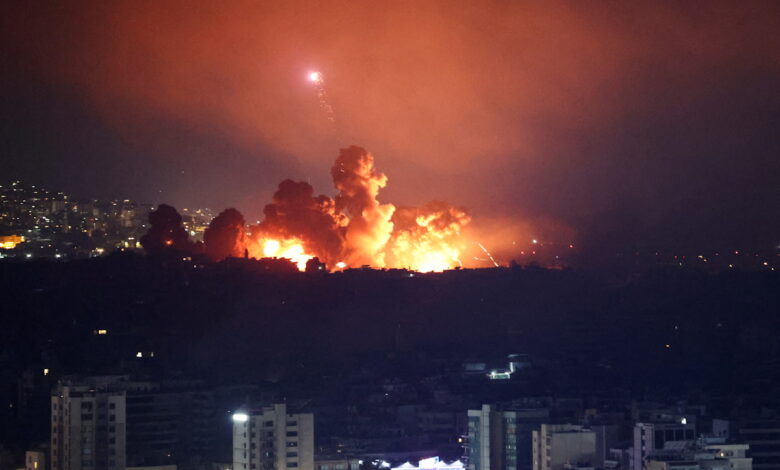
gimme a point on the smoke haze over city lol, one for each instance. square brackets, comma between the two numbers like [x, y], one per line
[642, 124]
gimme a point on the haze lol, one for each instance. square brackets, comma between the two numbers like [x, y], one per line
[650, 124]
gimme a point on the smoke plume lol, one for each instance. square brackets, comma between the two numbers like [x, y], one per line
[296, 213]
[225, 237]
[352, 229]
[166, 232]
[369, 226]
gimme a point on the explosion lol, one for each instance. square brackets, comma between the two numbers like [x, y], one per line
[427, 238]
[369, 227]
[352, 229]
[291, 249]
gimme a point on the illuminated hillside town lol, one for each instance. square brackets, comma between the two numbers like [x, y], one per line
[36, 223]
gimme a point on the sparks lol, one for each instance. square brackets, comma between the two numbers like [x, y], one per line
[487, 253]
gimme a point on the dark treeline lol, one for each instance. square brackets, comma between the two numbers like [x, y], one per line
[257, 319]
[655, 334]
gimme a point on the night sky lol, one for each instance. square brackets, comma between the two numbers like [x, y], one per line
[653, 124]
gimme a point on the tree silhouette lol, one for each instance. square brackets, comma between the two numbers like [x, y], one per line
[166, 232]
[225, 236]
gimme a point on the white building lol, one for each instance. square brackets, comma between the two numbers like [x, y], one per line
[271, 439]
[649, 438]
[87, 428]
[560, 446]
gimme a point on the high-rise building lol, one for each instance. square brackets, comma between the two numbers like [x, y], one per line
[651, 437]
[87, 427]
[169, 423]
[271, 439]
[501, 440]
[559, 446]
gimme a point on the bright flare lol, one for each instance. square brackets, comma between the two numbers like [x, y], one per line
[319, 84]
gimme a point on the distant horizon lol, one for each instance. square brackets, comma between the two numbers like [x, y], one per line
[629, 245]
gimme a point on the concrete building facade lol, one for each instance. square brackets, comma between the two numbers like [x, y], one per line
[271, 439]
[501, 440]
[336, 464]
[684, 456]
[649, 438]
[560, 446]
[87, 428]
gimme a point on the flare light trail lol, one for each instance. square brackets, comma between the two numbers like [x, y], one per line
[318, 80]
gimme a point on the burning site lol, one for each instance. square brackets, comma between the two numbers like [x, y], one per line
[351, 229]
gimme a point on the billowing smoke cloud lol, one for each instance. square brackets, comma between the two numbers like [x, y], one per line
[369, 226]
[354, 228]
[225, 237]
[166, 232]
[297, 213]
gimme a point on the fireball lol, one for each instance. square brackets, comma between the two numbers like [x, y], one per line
[291, 249]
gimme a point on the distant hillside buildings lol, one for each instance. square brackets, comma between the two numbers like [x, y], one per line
[37, 223]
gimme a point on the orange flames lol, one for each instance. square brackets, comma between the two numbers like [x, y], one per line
[291, 249]
[428, 238]
[354, 229]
